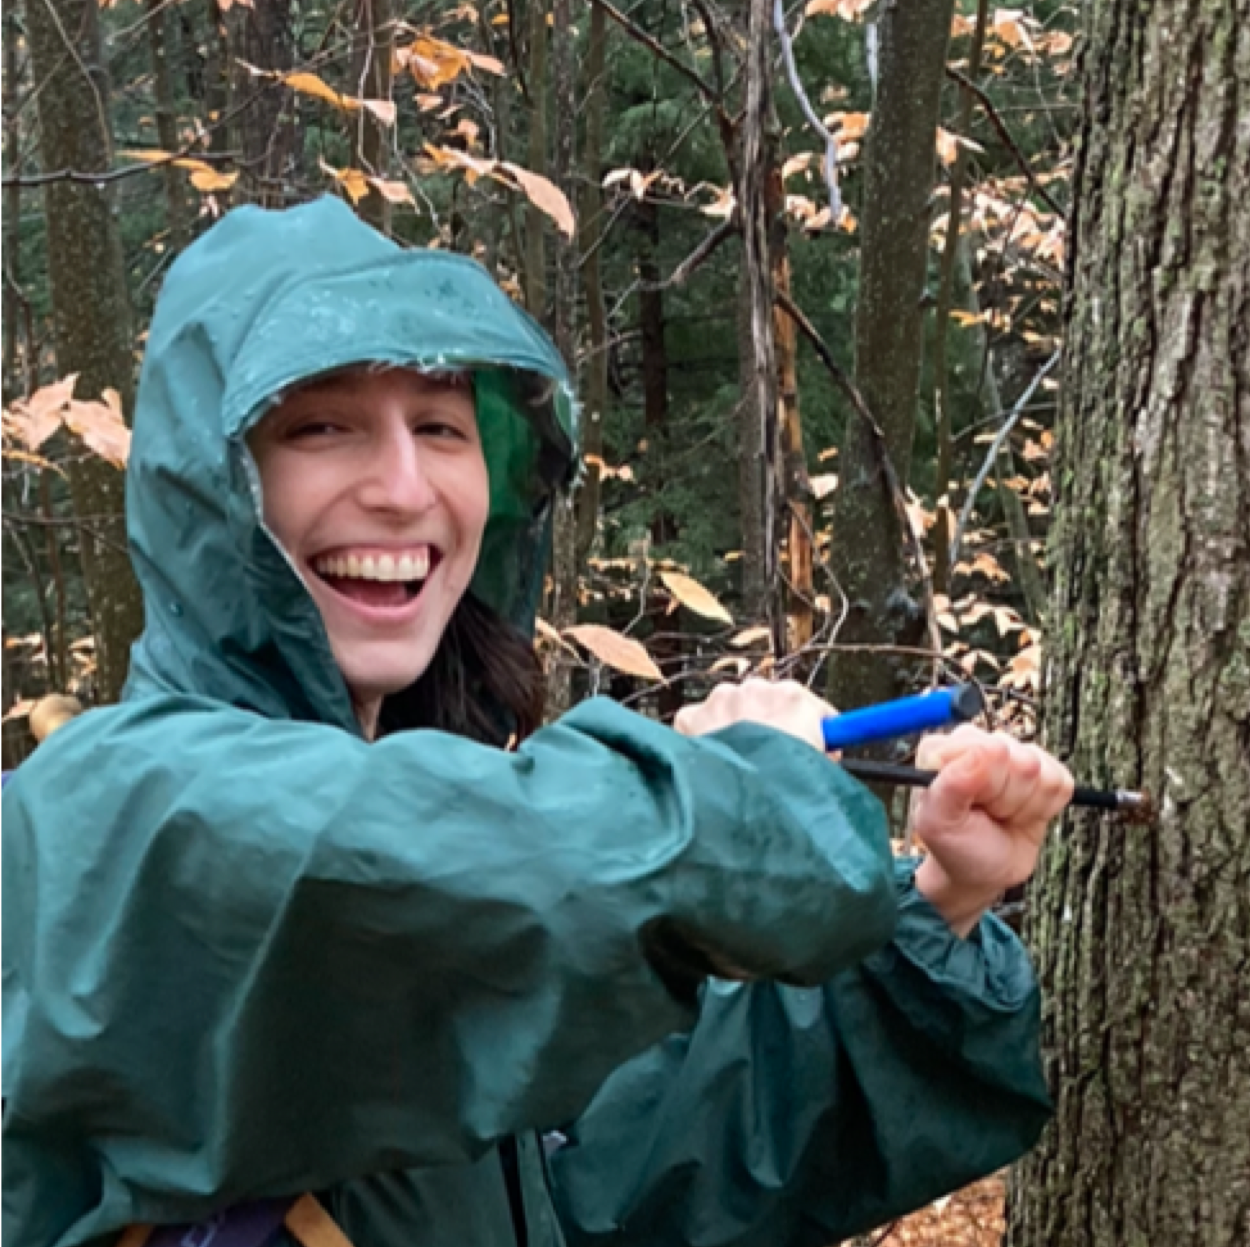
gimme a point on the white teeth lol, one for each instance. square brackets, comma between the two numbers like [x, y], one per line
[385, 567]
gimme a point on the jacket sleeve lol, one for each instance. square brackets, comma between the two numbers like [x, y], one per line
[254, 957]
[798, 1117]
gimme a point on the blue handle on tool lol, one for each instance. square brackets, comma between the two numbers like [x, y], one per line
[902, 717]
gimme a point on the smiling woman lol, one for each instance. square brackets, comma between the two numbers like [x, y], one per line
[375, 485]
[280, 937]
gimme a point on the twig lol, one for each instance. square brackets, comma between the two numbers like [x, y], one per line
[1003, 133]
[796, 85]
[710, 22]
[114, 175]
[992, 455]
[636, 32]
[726, 229]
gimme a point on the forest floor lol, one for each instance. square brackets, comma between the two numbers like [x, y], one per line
[972, 1217]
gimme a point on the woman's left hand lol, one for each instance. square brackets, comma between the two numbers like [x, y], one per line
[983, 819]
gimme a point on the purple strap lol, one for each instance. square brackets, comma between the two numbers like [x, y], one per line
[244, 1225]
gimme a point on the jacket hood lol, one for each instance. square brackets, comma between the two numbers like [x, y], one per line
[265, 301]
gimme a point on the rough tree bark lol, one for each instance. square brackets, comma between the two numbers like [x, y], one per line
[868, 549]
[91, 308]
[1143, 933]
[563, 612]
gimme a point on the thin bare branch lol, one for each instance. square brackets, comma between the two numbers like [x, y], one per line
[1003, 133]
[637, 33]
[992, 455]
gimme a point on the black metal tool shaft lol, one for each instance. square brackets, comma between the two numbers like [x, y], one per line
[1134, 806]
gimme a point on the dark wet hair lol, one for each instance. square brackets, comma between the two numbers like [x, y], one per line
[485, 682]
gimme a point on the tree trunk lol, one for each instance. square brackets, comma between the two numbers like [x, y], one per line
[564, 310]
[868, 549]
[1143, 932]
[594, 411]
[177, 215]
[535, 221]
[12, 205]
[91, 309]
[261, 35]
[373, 42]
[759, 444]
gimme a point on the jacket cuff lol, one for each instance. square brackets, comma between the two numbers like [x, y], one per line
[988, 972]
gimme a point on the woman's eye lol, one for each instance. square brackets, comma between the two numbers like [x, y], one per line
[313, 428]
[440, 429]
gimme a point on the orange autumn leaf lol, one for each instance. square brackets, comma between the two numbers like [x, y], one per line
[309, 84]
[546, 196]
[693, 596]
[101, 426]
[621, 653]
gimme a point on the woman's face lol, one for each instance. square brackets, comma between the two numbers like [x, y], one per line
[375, 485]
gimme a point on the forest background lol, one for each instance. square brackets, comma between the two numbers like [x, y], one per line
[813, 265]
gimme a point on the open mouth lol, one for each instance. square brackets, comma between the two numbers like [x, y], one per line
[382, 582]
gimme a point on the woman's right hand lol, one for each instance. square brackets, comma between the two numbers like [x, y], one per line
[785, 705]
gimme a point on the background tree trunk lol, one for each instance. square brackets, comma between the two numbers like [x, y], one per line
[591, 232]
[91, 307]
[563, 317]
[868, 546]
[373, 43]
[261, 36]
[759, 443]
[177, 215]
[1143, 933]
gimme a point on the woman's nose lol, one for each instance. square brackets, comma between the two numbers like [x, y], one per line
[399, 478]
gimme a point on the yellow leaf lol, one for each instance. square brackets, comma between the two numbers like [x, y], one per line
[393, 192]
[732, 662]
[849, 125]
[101, 427]
[824, 484]
[796, 164]
[19, 709]
[722, 206]
[616, 651]
[427, 103]
[749, 636]
[35, 419]
[434, 62]
[209, 179]
[692, 595]
[544, 195]
[848, 10]
[384, 110]
[353, 182]
[310, 84]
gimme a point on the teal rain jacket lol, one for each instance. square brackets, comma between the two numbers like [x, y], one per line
[247, 953]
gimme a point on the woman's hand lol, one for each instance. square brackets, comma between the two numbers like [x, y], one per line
[984, 818]
[786, 705]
